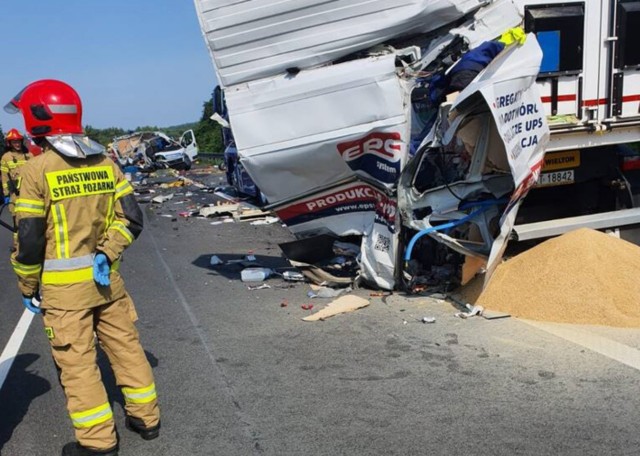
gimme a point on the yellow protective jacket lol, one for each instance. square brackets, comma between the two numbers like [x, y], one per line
[10, 166]
[69, 210]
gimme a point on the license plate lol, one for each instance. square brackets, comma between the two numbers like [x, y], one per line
[556, 178]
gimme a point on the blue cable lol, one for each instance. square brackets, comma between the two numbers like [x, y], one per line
[484, 205]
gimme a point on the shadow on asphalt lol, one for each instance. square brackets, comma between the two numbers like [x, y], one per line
[19, 390]
[232, 271]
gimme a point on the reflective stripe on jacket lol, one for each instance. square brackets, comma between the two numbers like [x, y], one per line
[68, 210]
[10, 165]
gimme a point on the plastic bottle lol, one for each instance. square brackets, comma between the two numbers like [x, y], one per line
[255, 274]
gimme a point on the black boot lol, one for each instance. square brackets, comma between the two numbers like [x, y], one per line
[75, 449]
[137, 425]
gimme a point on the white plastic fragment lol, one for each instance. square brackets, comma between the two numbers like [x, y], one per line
[162, 198]
[266, 221]
[473, 311]
[326, 292]
[259, 287]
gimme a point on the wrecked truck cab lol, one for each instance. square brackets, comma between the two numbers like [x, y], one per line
[460, 180]
[461, 191]
[154, 150]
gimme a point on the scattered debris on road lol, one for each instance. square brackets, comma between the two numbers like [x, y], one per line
[473, 311]
[293, 276]
[583, 277]
[324, 259]
[256, 274]
[192, 192]
[162, 198]
[341, 305]
[326, 292]
[263, 286]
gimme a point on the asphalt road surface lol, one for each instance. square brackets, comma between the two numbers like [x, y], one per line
[238, 374]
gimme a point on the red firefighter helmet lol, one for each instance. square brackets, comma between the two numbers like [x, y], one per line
[49, 108]
[13, 135]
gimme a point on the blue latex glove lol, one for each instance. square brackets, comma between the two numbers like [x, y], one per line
[7, 199]
[26, 301]
[101, 270]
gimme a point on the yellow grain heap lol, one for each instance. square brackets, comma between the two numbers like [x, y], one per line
[582, 277]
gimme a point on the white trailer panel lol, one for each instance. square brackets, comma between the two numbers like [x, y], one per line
[250, 40]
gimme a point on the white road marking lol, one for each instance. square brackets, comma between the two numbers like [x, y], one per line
[13, 346]
[610, 348]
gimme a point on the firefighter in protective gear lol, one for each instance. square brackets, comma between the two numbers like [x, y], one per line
[14, 158]
[76, 215]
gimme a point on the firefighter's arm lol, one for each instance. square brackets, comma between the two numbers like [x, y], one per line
[30, 216]
[127, 222]
[4, 171]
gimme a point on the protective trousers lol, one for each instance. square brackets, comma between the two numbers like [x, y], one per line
[71, 334]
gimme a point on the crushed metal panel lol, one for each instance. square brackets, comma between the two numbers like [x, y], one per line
[490, 21]
[508, 86]
[354, 208]
[504, 95]
[261, 38]
[302, 134]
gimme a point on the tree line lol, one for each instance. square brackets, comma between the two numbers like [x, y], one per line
[208, 133]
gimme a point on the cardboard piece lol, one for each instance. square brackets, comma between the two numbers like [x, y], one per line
[343, 304]
[244, 214]
[471, 267]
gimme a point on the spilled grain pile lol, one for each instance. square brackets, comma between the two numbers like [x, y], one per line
[583, 277]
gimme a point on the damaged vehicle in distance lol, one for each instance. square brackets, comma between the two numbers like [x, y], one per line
[155, 150]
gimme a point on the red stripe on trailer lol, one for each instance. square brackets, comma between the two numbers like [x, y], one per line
[560, 98]
[596, 102]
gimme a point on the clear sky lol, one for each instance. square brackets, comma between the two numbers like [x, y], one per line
[133, 62]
